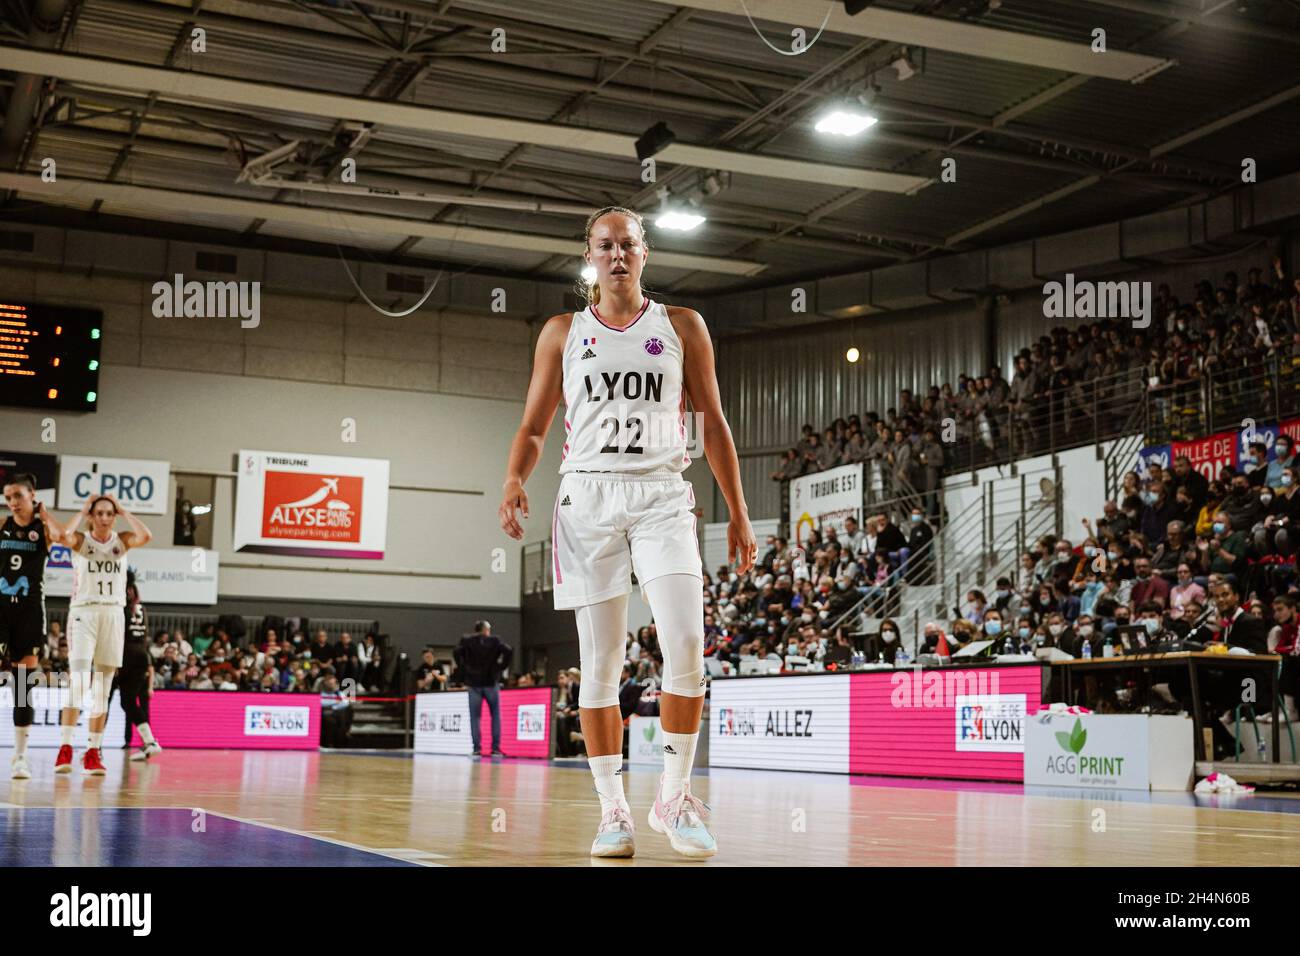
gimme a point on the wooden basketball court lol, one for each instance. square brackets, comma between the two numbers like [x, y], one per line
[280, 808]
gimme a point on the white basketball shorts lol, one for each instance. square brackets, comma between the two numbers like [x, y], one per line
[96, 633]
[607, 524]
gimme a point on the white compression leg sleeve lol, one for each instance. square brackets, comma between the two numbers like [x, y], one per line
[602, 640]
[677, 603]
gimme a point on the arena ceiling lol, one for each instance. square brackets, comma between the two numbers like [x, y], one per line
[508, 148]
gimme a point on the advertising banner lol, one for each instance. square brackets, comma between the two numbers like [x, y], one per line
[1088, 750]
[825, 499]
[141, 486]
[442, 723]
[48, 702]
[183, 719]
[1209, 455]
[163, 575]
[1152, 455]
[311, 505]
[780, 723]
[645, 742]
[204, 719]
[965, 723]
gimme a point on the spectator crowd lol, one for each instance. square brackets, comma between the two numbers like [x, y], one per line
[1069, 386]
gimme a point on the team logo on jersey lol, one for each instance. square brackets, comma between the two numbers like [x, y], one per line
[653, 345]
[117, 552]
[588, 354]
[32, 535]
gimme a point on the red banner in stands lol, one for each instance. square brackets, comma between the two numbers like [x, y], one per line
[1290, 428]
[1209, 455]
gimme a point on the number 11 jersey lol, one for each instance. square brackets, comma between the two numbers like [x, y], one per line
[99, 572]
[624, 396]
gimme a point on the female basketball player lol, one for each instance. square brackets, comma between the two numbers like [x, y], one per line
[136, 676]
[25, 539]
[624, 367]
[96, 620]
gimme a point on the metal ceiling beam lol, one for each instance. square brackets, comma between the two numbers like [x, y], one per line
[173, 84]
[1223, 122]
[1203, 18]
[1199, 133]
[1029, 134]
[952, 36]
[47, 18]
[128, 200]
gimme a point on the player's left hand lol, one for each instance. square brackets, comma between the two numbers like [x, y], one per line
[742, 548]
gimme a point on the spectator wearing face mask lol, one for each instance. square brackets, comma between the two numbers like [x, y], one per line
[1205, 517]
[1256, 468]
[1121, 617]
[1148, 587]
[1089, 596]
[1225, 550]
[1027, 635]
[992, 627]
[1242, 506]
[1284, 458]
[931, 635]
[1150, 616]
[1006, 600]
[1059, 632]
[919, 568]
[883, 646]
[1158, 509]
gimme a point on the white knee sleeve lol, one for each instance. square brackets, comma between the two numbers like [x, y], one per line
[677, 603]
[86, 682]
[101, 685]
[602, 645]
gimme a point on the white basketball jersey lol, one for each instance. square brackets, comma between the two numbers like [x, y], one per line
[99, 572]
[625, 404]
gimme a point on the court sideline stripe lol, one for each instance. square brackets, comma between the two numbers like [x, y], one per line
[312, 836]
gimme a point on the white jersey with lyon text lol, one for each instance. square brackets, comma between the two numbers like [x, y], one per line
[625, 401]
[99, 572]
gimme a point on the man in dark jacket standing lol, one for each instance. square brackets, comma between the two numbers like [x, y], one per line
[482, 658]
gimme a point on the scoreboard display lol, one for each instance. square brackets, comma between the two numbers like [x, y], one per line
[49, 355]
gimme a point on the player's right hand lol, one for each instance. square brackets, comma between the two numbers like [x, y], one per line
[513, 498]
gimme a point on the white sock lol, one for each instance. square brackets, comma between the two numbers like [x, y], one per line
[96, 738]
[679, 758]
[145, 734]
[20, 741]
[608, 772]
[65, 734]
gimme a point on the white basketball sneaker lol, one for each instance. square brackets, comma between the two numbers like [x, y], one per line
[683, 819]
[615, 837]
[147, 751]
[18, 768]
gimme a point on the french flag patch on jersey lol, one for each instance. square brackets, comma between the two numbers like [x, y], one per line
[590, 341]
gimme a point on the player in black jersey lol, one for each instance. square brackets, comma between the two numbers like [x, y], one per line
[25, 539]
[136, 676]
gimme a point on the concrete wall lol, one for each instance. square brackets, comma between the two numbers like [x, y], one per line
[438, 395]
